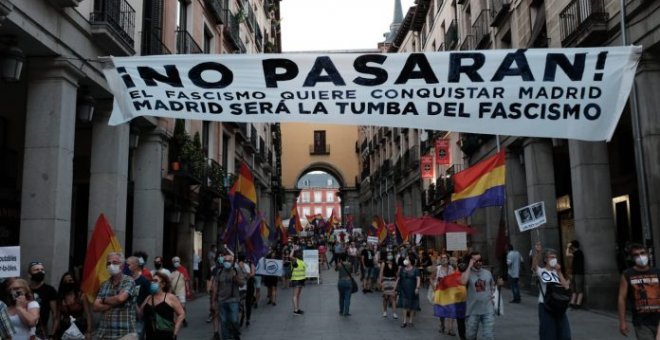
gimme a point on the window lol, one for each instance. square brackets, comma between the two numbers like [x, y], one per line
[305, 212]
[305, 196]
[318, 210]
[319, 147]
[318, 197]
[208, 39]
[329, 196]
[328, 212]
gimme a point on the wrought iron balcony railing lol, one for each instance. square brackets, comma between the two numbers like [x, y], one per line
[118, 14]
[481, 29]
[152, 44]
[185, 44]
[500, 11]
[219, 9]
[580, 19]
[323, 149]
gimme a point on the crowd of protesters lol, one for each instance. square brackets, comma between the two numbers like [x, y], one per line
[138, 303]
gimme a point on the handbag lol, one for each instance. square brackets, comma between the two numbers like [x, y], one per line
[160, 323]
[73, 332]
[354, 285]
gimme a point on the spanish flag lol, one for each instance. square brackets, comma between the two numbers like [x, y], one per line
[102, 243]
[284, 237]
[450, 297]
[295, 227]
[478, 186]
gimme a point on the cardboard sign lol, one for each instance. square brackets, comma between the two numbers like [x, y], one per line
[311, 259]
[531, 216]
[10, 261]
[372, 239]
[270, 267]
[456, 241]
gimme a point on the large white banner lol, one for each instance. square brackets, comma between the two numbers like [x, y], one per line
[576, 93]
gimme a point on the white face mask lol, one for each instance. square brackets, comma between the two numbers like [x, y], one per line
[176, 264]
[114, 269]
[552, 263]
[642, 260]
[406, 262]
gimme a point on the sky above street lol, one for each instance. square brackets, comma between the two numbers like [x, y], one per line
[323, 25]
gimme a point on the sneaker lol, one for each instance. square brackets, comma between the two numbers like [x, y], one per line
[209, 319]
[384, 314]
[297, 312]
[301, 311]
[216, 336]
[395, 316]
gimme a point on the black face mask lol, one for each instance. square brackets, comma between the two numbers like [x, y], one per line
[158, 265]
[38, 277]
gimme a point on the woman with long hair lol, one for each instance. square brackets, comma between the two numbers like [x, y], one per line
[387, 282]
[71, 303]
[23, 310]
[159, 310]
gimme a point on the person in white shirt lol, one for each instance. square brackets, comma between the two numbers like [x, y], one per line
[551, 326]
[513, 260]
[197, 272]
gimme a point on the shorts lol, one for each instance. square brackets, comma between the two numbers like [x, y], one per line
[577, 284]
[297, 283]
[389, 286]
[371, 272]
[257, 281]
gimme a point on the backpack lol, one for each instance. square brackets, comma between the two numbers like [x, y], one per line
[556, 298]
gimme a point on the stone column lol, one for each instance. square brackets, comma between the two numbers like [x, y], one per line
[209, 237]
[50, 126]
[594, 223]
[540, 176]
[149, 201]
[184, 238]
[108, 178]
[516, 197]
[648, 78]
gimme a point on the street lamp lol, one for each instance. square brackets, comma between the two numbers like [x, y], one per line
[85, 107]
[11, 63]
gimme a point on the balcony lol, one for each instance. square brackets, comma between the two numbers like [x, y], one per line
[251, 19]
[386, 167]
[365, 173]
[215, 179]
[219, 9]
[583, 23]
[242, 131]
[462, 2]
[152, 44]
[258, 37]
[413, 157]
[467, 44]
[113, 26]
[451, 36]
[471, 142]
[233, 28]
[500, 11]
[481, 30]
[319, 150]
[185, 44]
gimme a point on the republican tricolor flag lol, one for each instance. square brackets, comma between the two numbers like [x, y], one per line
[102, 243]
[449, 298]
[478, 186]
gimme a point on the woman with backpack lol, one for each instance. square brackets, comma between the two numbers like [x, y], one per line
[554, 297]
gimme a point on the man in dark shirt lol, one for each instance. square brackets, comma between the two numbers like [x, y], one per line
[577, 275]
[141, 287]
[637, 284]
[367, 259]
[45, 295]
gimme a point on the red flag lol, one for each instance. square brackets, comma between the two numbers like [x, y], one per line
[284, 237]
[442, 155]
[102, 243]
[426, 166]
[401, 224]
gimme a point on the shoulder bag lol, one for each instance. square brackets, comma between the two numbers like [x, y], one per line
[354, 285]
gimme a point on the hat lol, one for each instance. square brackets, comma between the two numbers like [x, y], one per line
[34, 263]
[176, 259]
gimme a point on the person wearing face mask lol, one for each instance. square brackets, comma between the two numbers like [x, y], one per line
[45, 295]
[225, 293]
[71, 303]
[23, 310]
[443, 269]
[181, 283]
[162, 312]
[410, 281]
[551, 326]
[387, 281]
[634, 287]
[158, 267]
[141, 286]
[116, 301]
[480, 311]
